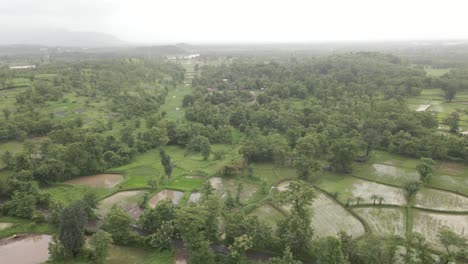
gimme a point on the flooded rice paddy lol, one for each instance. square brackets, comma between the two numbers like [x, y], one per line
[365, 189]
[429, 224]
[329, 218]
[441, 200]
[389, 171]
[385, 221]
[98, 180]
[25, 249]
[173, 196]
[223, 186]
[129, 201]
[195, 197]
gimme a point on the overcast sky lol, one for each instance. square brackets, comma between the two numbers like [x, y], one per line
[194, 21]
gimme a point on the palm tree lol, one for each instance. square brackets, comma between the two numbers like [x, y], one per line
[380, 198]
[374, 197]
[359, 199]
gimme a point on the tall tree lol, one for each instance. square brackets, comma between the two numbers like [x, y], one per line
[166, 162]
[343, 154]
[100, 243]
[424, 169]
[329, 250]
[71, 228]
[117, 224]
[453, 121]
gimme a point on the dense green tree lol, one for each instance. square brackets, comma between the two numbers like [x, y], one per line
[100, 243]
[152, 218]
[166, 162]
[299, 195]
[343, 155]
[328, 250]
[306, 168]
[453, 121]
[117, 224]
[162, 238]
[425, 170]
[287, 258]
[454, 244]
[411, 188]
[294, 231]
[71, 228]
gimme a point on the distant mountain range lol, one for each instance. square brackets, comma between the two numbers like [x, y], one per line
[59, 37]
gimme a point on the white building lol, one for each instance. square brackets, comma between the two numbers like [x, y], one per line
[22, 67]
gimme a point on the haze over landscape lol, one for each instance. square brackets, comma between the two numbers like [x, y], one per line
[243, 21]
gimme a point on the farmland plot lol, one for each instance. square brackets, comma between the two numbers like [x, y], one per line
[429, 225]
[386, 221]
[440, 200]
[329, 218]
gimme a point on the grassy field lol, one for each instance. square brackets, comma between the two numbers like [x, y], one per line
[268, 214]
[434, 98]
[21, 226]
[436, 72]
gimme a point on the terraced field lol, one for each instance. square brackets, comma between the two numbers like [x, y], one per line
[386, 221]
[441, 200]
[329, 218]
[429, 224]
[224, 186]
[129, 201]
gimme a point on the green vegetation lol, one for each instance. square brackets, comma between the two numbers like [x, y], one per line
[331, 158]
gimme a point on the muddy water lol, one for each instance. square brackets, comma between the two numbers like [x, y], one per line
[174, 196]
[30, 249]
[194, 197]
[98, 180]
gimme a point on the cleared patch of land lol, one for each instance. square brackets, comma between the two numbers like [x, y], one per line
[98, 180]
[429, 225]
[5, 225]
[385, 221]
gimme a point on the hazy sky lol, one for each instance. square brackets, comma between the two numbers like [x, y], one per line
[244, 20]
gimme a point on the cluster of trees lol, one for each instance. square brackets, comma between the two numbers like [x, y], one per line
[352, 104]
[129, 87]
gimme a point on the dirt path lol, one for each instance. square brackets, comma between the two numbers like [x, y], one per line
[182, 253]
